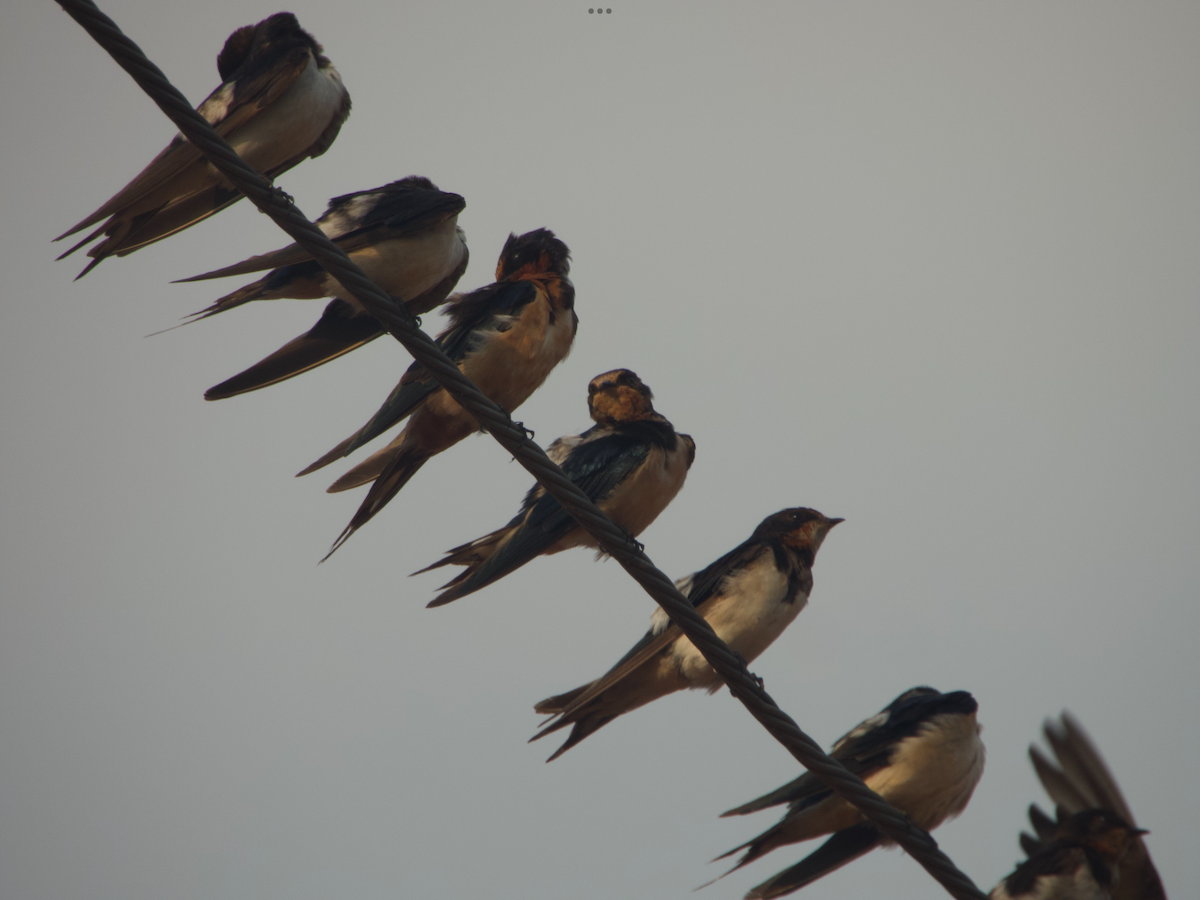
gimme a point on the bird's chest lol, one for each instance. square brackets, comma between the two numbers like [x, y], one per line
[1076, 883]
[637, 501]
[409, 266]
[935, 771]
[755, 606]
[293, 122]
[512, 364]
[758, 603]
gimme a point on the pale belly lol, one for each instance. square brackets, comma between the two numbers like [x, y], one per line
[407, 267]
[751, 613]
[514, 363]
[934, 772]
[293, 122]
[637, 502]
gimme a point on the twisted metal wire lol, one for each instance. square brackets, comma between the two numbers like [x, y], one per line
[513, 436]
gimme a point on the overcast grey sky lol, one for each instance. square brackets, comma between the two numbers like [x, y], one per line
[931, 267]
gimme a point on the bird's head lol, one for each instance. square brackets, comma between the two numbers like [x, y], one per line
[800, 528]
[536, 252]
[619, 396]
[251, 43]
[1102, 830]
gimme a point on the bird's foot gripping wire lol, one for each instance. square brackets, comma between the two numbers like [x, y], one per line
[745, 664]
[528, 432]
[638, 545]
[283, 195]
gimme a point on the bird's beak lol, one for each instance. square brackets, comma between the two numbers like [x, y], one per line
[832, 522]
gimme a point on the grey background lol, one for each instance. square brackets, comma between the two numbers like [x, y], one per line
[928, 266]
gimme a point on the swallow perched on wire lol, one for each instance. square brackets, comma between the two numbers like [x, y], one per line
[921, 753]
[1081, 862]
[631, 464]
[404, 235]
[749, 596]
[506, 337]
[280, 102]
[1081, 781]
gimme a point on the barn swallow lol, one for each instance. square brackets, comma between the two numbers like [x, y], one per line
[749, 596]
[1081, 781]
[921, 753]
[631, 464]
[404, 235]
[280, 102]
[1082, 861]
[506, 336]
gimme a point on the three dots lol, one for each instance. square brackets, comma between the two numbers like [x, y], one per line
[600, 11]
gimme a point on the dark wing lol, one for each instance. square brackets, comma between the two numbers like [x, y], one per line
[707, 582]
[597, 467]
[864, 750]
[284, 256]
[843, 847]
[226, 108]
[1082, 770]
[1082, 781]
[705, 586]
[338, 331]
[463, 337]
[353, 221]
[469, 321]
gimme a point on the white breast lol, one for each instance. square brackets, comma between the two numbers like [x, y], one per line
[511, 364]
[751, 612]
[1079, 885]
[294, 121]
[407, 267]
[934, 772]
[639, 499]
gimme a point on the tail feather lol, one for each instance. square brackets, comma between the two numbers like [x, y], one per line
[387, 486]
[252, 291]
[95, 262]
[755, 847]
[591, 721]
[485, 562]
[844, 847]
[91, 237]
[559, 702]
[471, 554]
[475, 556]
[779, 795]
[370, 469]
[751, 855]
[86, 223]
[334, 334]
[333, 455]
[174, 217]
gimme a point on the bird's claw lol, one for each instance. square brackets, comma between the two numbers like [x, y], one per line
[745, 664]
[283, 195]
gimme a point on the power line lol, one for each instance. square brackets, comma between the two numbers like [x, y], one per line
[515, 438]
